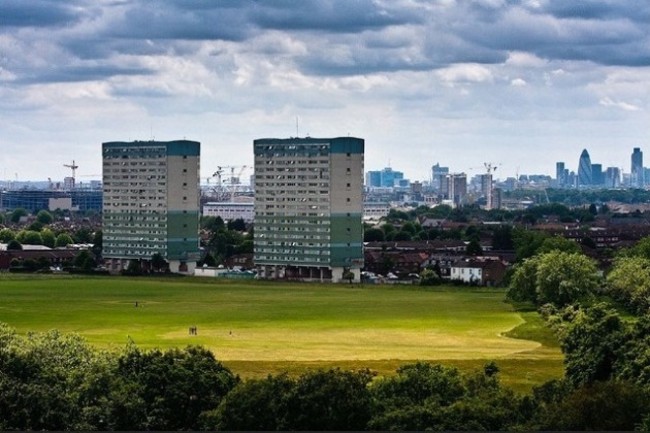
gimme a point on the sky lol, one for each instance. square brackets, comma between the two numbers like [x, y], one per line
[517, 84]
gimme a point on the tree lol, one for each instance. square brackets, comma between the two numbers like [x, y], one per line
[591, 343]
[29, 237]
[629, 281]
[601, 406]
[563, 278]
[48, 237]
[237, 224]
[402, 236]
[523, 284]
[474, 248]
[254, 405]
[527, 242]
[348, 275]
[83, 236]
[172, 387]
[373, 235]
[63, 240]
[7, 235]
[84, 260]
[502, 238]
[329, 400]
[17, 214]
[14, 245]
[98, 239]
[44, 217]
[158, 262]
[558, 243]
[633, 362]
[209, 260]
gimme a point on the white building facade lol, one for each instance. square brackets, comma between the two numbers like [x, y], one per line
[151, 203]
[309, 208]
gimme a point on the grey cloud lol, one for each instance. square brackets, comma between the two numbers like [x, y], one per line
[332, 16]
[71, 74]
[39, 13]
[148, 20]
[610, 42]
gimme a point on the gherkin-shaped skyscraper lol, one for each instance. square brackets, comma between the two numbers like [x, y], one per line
[584, 170]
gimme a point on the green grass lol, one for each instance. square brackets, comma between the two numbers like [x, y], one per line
[258, 328]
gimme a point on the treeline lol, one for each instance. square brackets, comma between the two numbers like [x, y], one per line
[54, 381]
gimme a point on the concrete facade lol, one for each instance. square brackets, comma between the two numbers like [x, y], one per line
[309, 208]
[151, 203]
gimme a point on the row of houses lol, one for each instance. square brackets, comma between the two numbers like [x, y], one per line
[446, 257]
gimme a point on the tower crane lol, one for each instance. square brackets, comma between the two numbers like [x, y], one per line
[490, 168]
[74, 168]
[233, 180]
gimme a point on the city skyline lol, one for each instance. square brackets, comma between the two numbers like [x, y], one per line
[459, 83]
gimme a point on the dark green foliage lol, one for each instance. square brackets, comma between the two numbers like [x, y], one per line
[63, 240]
[167, 390]
[329, 400]
[48, 237]
[402, 236]
[17, 214]
[556, 277]
[83, 236]
[209, 260]
[44, 217]
[433, 397]
[158, 262]
[29, 237]
[373, 235]
[254, 405]
[527, 242]
[633, 362]
[84, 260]
[558, 243]
[14, 245]
[237, 225]
[601, 406]
[474, 248]
[591, 343]
[7, 235]
[502, 238]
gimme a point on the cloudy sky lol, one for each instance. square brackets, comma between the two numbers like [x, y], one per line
[520, 83]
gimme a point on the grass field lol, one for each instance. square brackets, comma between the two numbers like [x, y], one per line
[258, 328]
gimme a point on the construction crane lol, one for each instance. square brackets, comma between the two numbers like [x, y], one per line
[490, 168]
[232, 181]
[74, 168]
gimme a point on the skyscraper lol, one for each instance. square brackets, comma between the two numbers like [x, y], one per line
[636, 171]
[438, 175]
[584, 170]
[559, 174]
[309, 208]
[151, 203]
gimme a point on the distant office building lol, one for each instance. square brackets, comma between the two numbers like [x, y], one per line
[456, 187]
[151, 203]
[636, 173]
[309, 208]
[386, 178]
[33, 200]
[560, 175]
[612, 177]
[597, 175]
[438, 175]
[229, 211]
[584, 170]
[373, 179]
